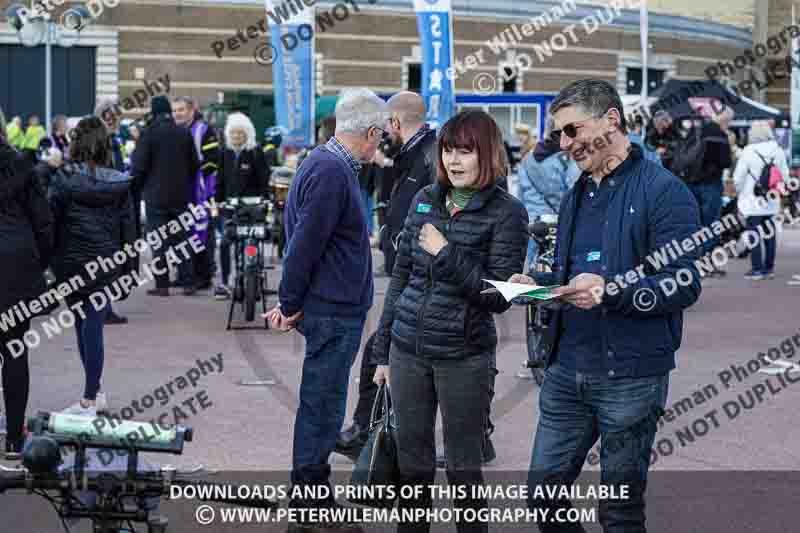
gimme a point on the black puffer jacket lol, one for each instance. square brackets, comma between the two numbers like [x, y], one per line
[26, 230]
[414, 168]
[93, 213]
[433, 307]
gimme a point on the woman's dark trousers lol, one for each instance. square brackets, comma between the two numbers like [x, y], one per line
[16, 381]
[460, 388]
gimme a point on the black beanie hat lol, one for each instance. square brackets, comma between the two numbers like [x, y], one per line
[160, 105]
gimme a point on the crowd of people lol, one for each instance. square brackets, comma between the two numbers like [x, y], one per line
[445, 222]
[76, 195]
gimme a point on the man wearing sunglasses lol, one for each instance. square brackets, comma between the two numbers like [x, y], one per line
[326, 287]
[612, 344]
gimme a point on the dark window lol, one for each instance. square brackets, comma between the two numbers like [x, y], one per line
[22, 81]
[655, 79]
[509, 81]
[415, 77]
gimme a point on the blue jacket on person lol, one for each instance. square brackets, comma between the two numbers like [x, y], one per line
[545, 175]
[327, 267]
[649, 209]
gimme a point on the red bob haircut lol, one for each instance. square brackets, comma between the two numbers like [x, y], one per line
[474, 130]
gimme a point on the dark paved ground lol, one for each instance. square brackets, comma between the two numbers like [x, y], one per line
[250, 427]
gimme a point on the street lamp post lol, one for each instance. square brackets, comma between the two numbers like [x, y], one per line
[35, 26]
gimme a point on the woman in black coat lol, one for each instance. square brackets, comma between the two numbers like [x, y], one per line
[459, 231]
[93, 214]
[26, 242]
[242, 172]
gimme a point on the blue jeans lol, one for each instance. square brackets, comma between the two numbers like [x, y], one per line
[161, 217]
[331, 347]
[533, 252]
[709, 199]
[89, 331]
[574, 411]
[762, 257]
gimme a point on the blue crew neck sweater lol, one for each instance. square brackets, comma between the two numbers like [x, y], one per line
[327, 265]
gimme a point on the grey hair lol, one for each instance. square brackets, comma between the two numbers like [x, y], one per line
[188, 100]
[595, 97]
[549, 125]
[104, 106]
[358, 110]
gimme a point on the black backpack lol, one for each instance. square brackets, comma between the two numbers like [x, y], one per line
[761, 187]
[687, 161]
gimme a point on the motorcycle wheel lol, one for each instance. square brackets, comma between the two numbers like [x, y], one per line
[534, 337]
[250, 287]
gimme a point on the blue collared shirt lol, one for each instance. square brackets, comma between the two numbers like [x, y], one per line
[580, 346]
[345, 154]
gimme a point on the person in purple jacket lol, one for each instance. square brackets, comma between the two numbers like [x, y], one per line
[326, 288]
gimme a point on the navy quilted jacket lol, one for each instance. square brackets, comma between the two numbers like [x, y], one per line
[644, 318]
[433, 307]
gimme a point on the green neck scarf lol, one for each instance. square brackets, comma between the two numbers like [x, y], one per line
[460, 197]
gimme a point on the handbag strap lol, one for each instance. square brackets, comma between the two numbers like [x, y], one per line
[380, 399]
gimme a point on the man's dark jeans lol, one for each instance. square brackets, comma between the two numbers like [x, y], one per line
[576, 409]
[709, 199]
[460, 388]
[161, 217]
[331, 347]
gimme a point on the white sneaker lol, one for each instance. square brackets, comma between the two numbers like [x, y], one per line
[80, 410]
[101, 402]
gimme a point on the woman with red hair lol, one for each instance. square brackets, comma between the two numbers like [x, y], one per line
[459, 231]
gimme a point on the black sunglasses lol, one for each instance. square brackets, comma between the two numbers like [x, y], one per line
[384, 133]
[570, 130]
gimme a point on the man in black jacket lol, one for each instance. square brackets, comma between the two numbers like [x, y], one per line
[707, 186]
[414, 168]
[663, 136]
[163, 166]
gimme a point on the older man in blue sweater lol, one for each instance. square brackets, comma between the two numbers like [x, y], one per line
[326, 288]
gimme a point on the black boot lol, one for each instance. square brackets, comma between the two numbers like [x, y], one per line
[14, 449]
[113, 319]
[351, 441]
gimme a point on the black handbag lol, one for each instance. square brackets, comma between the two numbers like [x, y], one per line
[376, 475]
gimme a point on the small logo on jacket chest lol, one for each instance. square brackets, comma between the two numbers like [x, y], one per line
[423, 208]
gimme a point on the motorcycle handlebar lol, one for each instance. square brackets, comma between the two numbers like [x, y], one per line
[152, 484]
